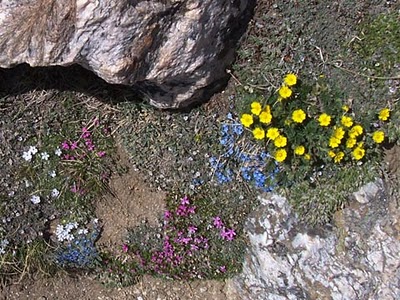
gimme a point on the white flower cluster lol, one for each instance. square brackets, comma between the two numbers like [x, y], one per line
[64, 232]
[27, 155]
[3, 245]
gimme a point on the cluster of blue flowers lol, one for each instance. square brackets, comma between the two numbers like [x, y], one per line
[80, 252]
[240, 158]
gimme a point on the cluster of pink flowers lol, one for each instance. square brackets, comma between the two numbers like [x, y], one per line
[84, 148]
[183, 242]
[178, 244]
[84, 143]
[226, 233]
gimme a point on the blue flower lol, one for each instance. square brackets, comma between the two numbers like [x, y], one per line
[238, 129]
[225, 128]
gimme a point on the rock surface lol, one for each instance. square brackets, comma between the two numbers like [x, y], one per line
[174, 51]
[358, 258]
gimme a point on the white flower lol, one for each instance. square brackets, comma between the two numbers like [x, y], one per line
[35, 199]
[52, 174]
[55, 193]
[44, 156]
[3, 245]
[63, 234]
[33, 150]
[27, 156]
[83, 231]
[58, 152]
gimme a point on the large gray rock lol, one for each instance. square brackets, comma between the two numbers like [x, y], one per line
[174, 51]
[359, 258]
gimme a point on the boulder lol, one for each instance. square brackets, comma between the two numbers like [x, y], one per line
[358, 257]
[174, 51]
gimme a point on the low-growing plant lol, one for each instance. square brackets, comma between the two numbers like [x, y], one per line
[312, 134]
[305, 128]
[190, 245]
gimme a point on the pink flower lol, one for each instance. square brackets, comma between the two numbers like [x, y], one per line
[65, 145]
[192, 229]
[191, 209]
[74, 145]
[185, 201]
[85, 133]
[228, 234]
[222, 269]
[218, 222]
[125, 248]
[101, 153]
[167, 214]
[89, 145]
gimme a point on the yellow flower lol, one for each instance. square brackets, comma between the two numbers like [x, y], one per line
[246, 120]
[299, 150]
[351, 142]
[338, 157]
[285, 92]
[331, 154]
[298, 116]
[384, 114]
[272, 133]
[334, 142]
[358, 153]
[265, 117]
[256, 108]
[339, 133]
[347, 121]
[307, 156]
[280, 141]
[355, 131]
[258, 133]
[378, 136]
[280, 155]
[290, 79]
[345, 108]
[324, 119]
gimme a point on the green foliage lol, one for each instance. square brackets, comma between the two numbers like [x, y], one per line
[316, 138]
[379, 43]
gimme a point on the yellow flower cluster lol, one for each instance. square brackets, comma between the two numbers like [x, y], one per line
[292, 130]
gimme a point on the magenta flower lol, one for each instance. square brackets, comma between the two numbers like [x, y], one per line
[228, 234]
[89, 145]
[101, 153]
[191, 209]
[74, 145]
[218, 222]
[85, 133]
[222, 269]
[192, 229]
[167, 214]
[185, 201]
[125, 248]
[65, 145]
